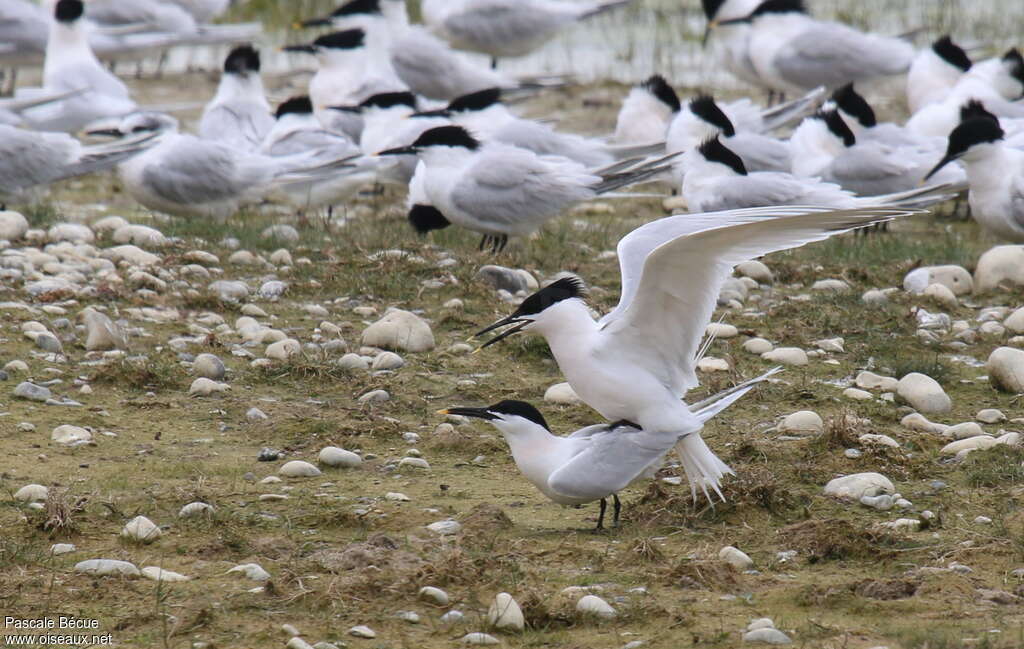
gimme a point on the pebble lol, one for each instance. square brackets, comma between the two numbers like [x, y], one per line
[281, 257]
[16, 366]
[924, 393]
[398, 497]
[255, 415]
[68, 435]
[101, 332]
[757, 346]
[32, 392]
[452, 617]
[874, 297]
[917, 421]
[955, 278]
[761, 623]
[107, 567]
[832, 345]
[755, 270]
[298, 469]
[141, 529]
[445, 528]
[858, 485]
[735, 558]
[32, 493]
[159, 574]
[140, 235]
[194, 509]
[802, 421]
[295, 642]
[942, 295]
[990, 416]
[251, 571]
[505, 614]
[208, 366]
[979, 442]
[229, 291]
[1015, 321]
[58, 549]
[721, 330]
[903, 525]
[479, 638]
[871, 381]
[409, 616]
[786, 356]
[272, 290]
[281, 232]
[339, 458]
[878, 440]
[712, 364]
[374, 396]
[435, 595]
[204, 387]
[852, 453]
[834, 285]
[352, 361]
[964, 430]
[766, 636]
[282, 350]
[48, 343]
[362, 631]
[563, 394]
[857, 394]
[399, 329]
[416, 462]
[595, 606]
[997, 265]
[387, 361]
[13, 226]
[1005, 368]
[507, 279]
[982, 520]
[73, 232]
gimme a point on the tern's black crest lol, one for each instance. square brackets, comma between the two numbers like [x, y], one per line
[357, 8]
[951, 53]
[1015, 64]
[711, 7]
[704, 107]
[349, 39]
[563, 289]
[657, 86]
[715, 151]
[454, 136]
[975, 108]
[300, 105]
[851, 103]
[391, 99]
[976, 130]
[242, 60]
[520, 409]
[474, 101]
[779, 7]
[68, 11]
[834, 121]
[425, 218]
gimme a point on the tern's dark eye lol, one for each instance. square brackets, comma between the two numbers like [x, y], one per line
[139, 129]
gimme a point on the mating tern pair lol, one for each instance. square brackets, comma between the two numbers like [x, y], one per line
[636, 363]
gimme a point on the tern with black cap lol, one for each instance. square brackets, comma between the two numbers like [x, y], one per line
[239, 114]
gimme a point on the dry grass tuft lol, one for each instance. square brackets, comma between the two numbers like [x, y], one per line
[60, 513]
[837, 540]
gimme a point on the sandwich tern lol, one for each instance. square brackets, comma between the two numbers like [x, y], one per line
[637, 362]
[995, 173]
[71, 65]
[592, 463]
[716, 179]
[506, 28]
[934, 72]
[793, 53]
[646, 112]
[500, 190]
[145, 14]
[728, 37]
[858, 114]
[239, 114]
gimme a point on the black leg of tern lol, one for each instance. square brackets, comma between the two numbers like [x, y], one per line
[600, 516]
[618, 509]
[504, 242]
[483, 242]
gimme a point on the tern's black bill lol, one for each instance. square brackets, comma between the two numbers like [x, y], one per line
[308, 49]
[479, 413]
[511, 320]
[942, 163]
[316, 22]
[707, 35]
[402, 150]
[441, 112]
[105, 132]
[347, 109]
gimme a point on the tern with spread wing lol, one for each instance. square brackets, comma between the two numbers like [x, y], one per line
[638, 361]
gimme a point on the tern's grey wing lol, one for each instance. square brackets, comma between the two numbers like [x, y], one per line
[196, 172]
[762, 190]
[510, 28]
[674, 268]
[609, 462]
[761, 152]
[23, 25]
[242, 125]
[29, 158]
[87, 75]
[430, 68]
[305, 141]
[830, 54]
[544, 140]
[870, 171]
[513, 191]
[1016, 212]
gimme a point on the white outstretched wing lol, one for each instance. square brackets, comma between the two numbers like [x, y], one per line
[673, 269]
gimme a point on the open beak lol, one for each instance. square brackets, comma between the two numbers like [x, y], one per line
[478, 413]
[504, 322]
[942, 163]
[307, 49]
[402, 150]
[313, 22]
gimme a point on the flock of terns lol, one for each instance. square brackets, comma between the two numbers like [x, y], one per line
[395, 103]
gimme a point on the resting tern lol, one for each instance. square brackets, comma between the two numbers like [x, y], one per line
[825, 147]
[239, 114]
[716, 179]
[145, 14]
[30, 159]
[934, 72]
[728, 39]
[646, 112]
[592, 463]
[184, 175]
[995, 173]
[637, 362]
[500, 190]
[71, 66]
[792, 52]
[506, 28]
[858, 114]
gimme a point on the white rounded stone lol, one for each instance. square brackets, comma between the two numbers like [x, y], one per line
[990, 416]
[282, 350]
[195, 509]
[755, 270]
[141, 529]
[31, 493]
[298, 469]
[505, 614]
[58, 549]
[563, 394]
[159, 574]
[766, 636]
[857, 394]
[955, 278]
[833, 285]
[339, 458]
[251, 571]
[735, 557]
[204, 387]
[102, 332]
[295, 642]
[374, 396]
[998, 265]
[858, 485]
[352, 361]
[786, 356]
[979, 442]
[1005, 367]
[387, 361]
[721, 330]
[228, 290]
[874, 297]
[917, 421]
[445, 528]
[869, 439]
[712, 364]
[140, 235]
[757, 346]
[362, 631]
[833, 345]
[74, 232]
[924, 393]
[107, 567]
[479, 639]
[415, 462]
[942, 295]
[595, 606]
[68, 435]
[208, 366]
[1015, 321]
[802, 421]
[761, 623]
[13, 226]
[435, 595]
[872, 381]
[399, 329]
[964, 430]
